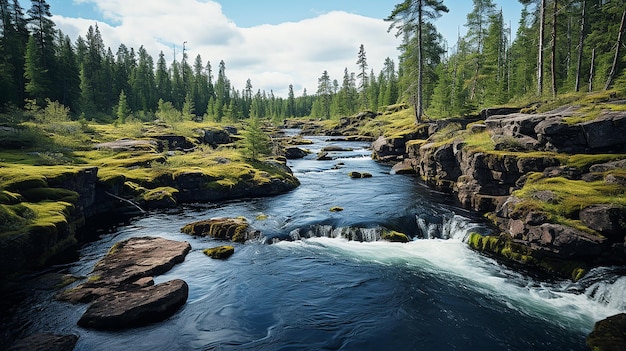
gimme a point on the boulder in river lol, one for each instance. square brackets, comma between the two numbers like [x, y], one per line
[233, 229]
[129, 265]
[220, 252]
[293, 152]
[126, 309]
[609, 334]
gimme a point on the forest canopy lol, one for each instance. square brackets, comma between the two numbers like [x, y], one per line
[560, 47]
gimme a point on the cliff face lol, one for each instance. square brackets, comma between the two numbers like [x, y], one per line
[554, 183]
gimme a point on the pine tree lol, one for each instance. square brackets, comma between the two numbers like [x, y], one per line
[43, 31]
[36, 74]
[324, 95]
[410, 16]
[255, 143]
[291, 102]
[222, 92]
[67, 74]
[162, 79]
[13, 44]
[123, 111]
[363, 78]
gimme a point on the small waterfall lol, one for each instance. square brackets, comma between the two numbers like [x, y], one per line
[447, 226]
[605, 285]
[328, 231]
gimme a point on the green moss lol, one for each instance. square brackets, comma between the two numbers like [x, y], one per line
[584, 161]
[14, 218]
[500, 246]
[53, 194]
[336, 209]
[9, 198]
[504, 248]
[234, 229]
[159, 194]
[115, 248]
[17, 182]
[220, 252]
[571, 196]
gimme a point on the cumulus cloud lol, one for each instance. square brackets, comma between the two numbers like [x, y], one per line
[271, 56]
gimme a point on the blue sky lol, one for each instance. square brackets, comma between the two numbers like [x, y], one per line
[274, 42]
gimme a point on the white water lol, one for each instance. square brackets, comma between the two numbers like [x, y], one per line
[572, 305]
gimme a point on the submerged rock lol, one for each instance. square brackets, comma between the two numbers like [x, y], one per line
[125, 309]
[395, 237]
[45, 342]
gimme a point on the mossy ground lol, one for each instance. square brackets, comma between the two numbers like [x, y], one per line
[33, 157]
[570, 197]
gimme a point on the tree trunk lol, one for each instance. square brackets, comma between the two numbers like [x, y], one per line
[592, 69]
[542, 24]
[553, 47]
[419, 109]
[581, 41]
[618, 46]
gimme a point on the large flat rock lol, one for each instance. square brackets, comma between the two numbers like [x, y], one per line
[126, 309]
[129, 265]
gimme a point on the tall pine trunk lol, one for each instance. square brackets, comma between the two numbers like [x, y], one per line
[581, 42]
[542, 24]
[618, 46]
[553, 47]
[419, 109]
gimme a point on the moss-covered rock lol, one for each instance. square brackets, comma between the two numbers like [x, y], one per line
[395, 237]
[163, 197]
[336, 209]
[502, 247]
[233, 229]
[609, 334]
[220, 252]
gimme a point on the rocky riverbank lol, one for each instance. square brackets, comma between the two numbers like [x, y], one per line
[554, 182]
[46, 210]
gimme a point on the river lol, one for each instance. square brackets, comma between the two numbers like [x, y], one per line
[304, 286]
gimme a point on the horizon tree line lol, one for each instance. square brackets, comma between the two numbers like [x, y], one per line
[560, 47]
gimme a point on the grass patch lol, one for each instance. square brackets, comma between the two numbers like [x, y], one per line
[570, 197]
[584, 161]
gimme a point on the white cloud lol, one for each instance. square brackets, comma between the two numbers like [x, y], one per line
[271, 56]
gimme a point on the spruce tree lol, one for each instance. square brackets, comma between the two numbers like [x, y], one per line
[255, 143]
[363, 78]
[409, 17]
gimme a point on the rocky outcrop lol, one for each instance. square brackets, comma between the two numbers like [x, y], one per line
[552, 132]
[216, 137]
[128, 265]
[609, 334]
[38, 242]
[220, 252]
[232, 229]
[122, 289]
[134, 308]
[484, 180]
[292, 153]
